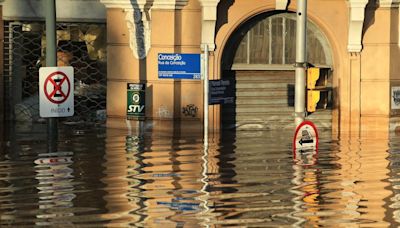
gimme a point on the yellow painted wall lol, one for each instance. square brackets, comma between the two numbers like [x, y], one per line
[361, 81]
[171, 32]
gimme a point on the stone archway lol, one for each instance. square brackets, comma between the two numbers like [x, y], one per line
[259, 58]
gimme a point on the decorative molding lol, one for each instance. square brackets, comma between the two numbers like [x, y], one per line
[169, 4]
[389, 3]
[356, 22]
[281, 4]
[138, 19]
[125, 4]
[209, 19]
[145, 4]
[138, 23]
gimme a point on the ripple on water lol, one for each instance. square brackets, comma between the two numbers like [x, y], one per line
[244, 178]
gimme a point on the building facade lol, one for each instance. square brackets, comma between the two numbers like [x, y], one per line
[251, 48]
[357, 40]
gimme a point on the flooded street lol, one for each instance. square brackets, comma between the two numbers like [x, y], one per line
[108, 178]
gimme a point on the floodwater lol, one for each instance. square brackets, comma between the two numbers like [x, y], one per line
[109, 178]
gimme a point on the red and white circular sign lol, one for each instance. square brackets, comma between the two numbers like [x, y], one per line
[305, 137]
[56, 91]
[305, 144]
[57, 87]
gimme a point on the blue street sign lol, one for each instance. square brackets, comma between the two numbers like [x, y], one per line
[179, 66]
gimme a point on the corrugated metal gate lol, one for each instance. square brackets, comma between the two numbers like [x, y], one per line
[265, 100]
[81, 45]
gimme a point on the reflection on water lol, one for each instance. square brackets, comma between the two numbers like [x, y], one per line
[111, 178]
[55, 189]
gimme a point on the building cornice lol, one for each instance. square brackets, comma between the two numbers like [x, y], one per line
[389, 3]
[145, 4]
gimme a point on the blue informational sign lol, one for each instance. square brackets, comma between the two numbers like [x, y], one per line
[179, 66]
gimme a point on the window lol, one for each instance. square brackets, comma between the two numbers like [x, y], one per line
[272, 42]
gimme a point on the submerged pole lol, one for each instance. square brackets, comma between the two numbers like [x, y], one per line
[51, 61]
[205, 83]
[301, 51]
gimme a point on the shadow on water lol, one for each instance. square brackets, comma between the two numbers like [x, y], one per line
[105, 177]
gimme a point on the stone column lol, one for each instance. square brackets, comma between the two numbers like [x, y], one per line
[379, 65]
[209, 19]
[128, 44]
[350, 104]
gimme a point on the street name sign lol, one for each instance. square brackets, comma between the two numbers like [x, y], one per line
[56, 91]
[179, 66]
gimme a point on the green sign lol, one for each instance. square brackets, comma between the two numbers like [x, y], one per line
[136, 101]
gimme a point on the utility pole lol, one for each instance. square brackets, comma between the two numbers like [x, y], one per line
[51, 61]
[301, 65]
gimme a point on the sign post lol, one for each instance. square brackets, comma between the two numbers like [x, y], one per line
[205, 83]
[301, 51]
[51, 60]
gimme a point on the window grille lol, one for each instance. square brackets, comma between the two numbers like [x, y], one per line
[81, 45]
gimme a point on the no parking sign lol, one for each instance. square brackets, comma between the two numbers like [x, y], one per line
[56, 91]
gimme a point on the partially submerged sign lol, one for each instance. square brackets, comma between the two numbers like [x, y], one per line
[306, 137]
[305, 143]
[56, 91]
[221, 92]
[136, 100]
[179, 66]
[395, 95]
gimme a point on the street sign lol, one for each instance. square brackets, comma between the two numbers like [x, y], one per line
[56, 91]
[135, 101]
[179, 66]
[221, 92]
[305, 144]
[306, 137]
[395, 95]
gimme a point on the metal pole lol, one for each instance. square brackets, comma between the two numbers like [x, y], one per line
[205, 95]
[301, 51]
[51, 61]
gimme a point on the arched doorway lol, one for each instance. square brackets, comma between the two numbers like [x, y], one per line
[259, 58]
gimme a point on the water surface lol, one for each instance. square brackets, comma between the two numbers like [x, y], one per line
[109, 178]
